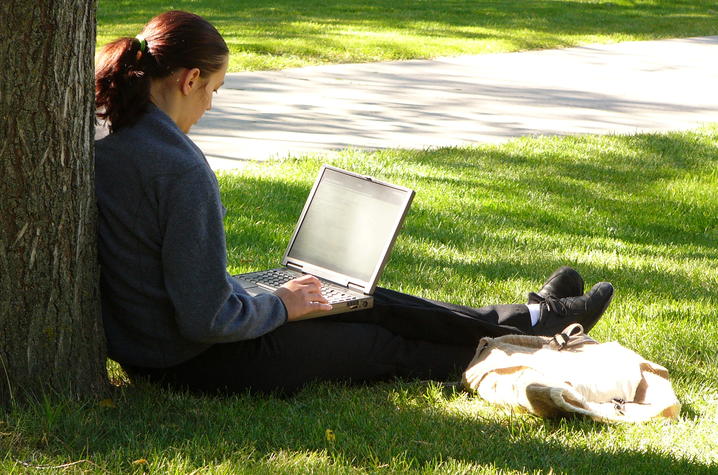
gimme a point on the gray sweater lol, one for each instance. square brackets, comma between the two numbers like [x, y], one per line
[166, 293]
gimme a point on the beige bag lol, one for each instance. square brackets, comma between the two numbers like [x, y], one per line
[570, 374]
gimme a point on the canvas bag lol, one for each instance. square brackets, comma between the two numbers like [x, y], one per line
[570, 373]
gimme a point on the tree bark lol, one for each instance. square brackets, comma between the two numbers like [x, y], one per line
[51, 336]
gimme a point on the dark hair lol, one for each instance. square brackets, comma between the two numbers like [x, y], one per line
[125, 67]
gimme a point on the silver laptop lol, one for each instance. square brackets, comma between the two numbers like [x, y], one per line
[343, 237]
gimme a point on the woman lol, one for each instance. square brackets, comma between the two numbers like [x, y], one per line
[170, 309]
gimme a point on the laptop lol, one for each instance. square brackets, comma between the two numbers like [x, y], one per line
[344, 236]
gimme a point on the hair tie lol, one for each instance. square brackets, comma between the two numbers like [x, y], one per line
[143, 43]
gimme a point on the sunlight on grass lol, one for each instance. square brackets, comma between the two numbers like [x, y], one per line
[488, 224]
[281, 34]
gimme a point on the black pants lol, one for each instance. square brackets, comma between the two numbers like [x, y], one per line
[402, 336]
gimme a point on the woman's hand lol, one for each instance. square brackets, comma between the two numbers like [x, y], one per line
[302, 296]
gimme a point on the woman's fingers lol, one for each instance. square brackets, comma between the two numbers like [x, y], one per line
[306, 278]
[312, 286]
[321, 306]
[303, 295]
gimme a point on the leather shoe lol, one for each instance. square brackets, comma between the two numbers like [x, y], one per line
[557, 314]
[564, 282]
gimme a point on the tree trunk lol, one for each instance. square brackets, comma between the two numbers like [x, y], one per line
[51, 337]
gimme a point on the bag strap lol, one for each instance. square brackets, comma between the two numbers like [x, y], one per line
[570, 337]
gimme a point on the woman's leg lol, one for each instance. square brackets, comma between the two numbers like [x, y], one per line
[402, 336]
[313, 350]
[423, 319]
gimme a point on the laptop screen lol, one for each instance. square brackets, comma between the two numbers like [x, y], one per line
[350, 224]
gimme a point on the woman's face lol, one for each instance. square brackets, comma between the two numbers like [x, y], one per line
[200, 98]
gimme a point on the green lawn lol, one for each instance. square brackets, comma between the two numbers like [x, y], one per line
[277, 34]
[488, 224]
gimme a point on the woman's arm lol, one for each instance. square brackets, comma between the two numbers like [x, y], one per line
[208, 307]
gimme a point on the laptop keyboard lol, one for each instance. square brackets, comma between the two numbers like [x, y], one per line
[277, 277]
[272, 278]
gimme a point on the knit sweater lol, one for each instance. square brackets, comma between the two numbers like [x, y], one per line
[166, 293]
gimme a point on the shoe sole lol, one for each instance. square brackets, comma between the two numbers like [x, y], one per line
[603, 309]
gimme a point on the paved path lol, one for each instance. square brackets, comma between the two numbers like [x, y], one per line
[618, 88]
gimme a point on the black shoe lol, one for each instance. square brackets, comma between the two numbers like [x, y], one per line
[564, 282]
[557, 314]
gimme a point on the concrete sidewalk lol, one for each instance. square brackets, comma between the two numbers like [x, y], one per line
[618, 88]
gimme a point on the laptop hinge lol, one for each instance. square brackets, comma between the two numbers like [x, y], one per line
[355, 287]
[294, 266]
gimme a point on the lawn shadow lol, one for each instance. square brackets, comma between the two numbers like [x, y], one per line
[535, 201]
[552, 21]
[261, 214]
[397, 425]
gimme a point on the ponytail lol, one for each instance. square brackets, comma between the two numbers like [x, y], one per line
[122, 85]
[125, 68]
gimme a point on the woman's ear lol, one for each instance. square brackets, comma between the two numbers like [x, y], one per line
[189, 80]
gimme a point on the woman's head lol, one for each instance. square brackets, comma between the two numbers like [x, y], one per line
[174, 43]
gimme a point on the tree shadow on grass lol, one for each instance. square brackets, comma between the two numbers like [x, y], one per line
[310, 21]
[285, 33]
[394, 426]
[536, 197]
[397, 426]
[605, 196]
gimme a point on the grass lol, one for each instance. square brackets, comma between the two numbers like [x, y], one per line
[488, 224]
[277, 34]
